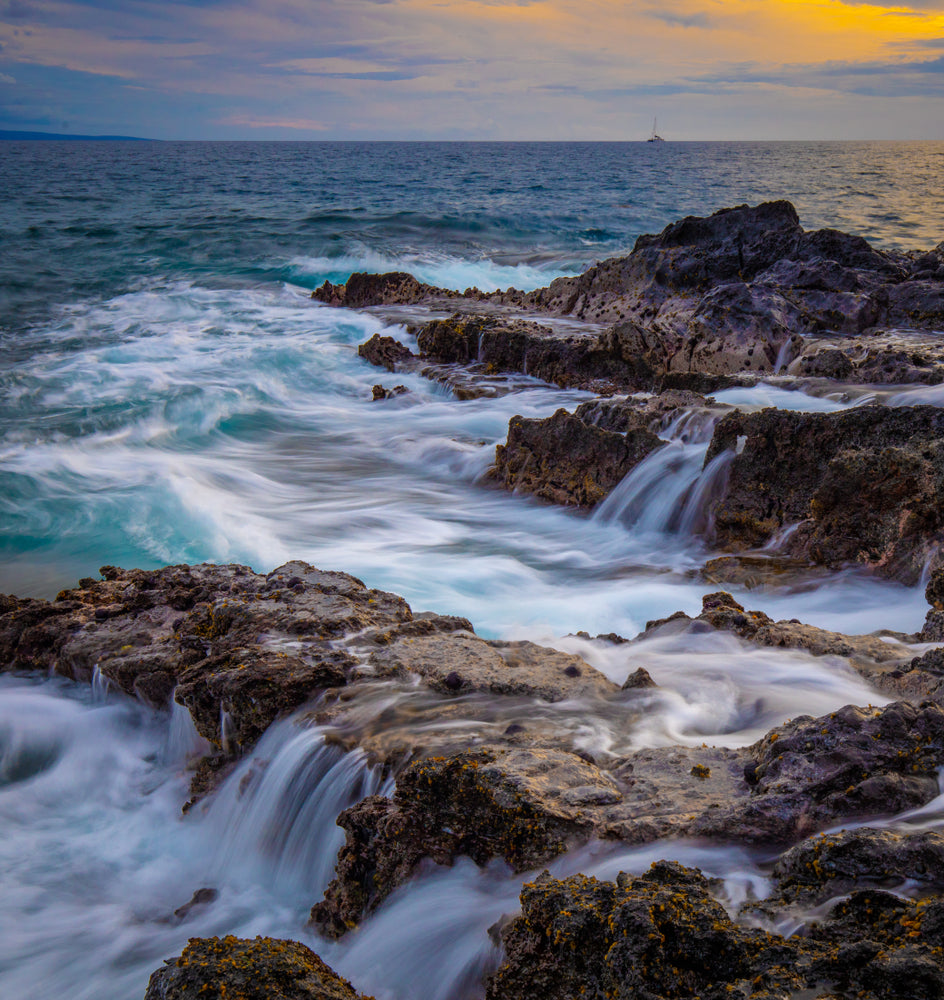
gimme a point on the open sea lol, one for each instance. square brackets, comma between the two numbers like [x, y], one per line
[170, 393]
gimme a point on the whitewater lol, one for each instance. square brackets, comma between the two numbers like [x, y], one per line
[170, 393]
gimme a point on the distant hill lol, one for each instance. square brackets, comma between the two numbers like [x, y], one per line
[58, 136]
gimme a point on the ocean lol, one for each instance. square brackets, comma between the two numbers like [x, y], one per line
[171, 393]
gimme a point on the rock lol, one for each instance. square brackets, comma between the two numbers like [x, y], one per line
[393, 288]
[706, 299]
[198, 901]
[579, 360]
[239, 648]
[662, 936]
[762, 572]
[239, 969]
[721, 611]
[934, 592]
[567, 461]
[386, 352]
[863, 482]
[639, 679]
[379, 392]
[881, 945]
[457, 664]
[831, 865]
[658, 936]
[524, 805]
[578, 458]
[800, 777]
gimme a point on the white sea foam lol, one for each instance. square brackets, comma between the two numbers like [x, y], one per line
[441, 270]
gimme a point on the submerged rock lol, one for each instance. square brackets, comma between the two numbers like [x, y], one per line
[263, 968]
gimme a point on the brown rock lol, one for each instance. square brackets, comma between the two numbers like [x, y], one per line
[231, 968]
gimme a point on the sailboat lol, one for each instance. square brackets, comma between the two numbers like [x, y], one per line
[655, 137]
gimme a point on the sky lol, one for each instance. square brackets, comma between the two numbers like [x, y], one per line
[474, 69]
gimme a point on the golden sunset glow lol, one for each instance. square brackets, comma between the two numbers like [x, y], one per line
[494, 68]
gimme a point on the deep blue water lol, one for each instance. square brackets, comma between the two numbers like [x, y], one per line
[79, 220]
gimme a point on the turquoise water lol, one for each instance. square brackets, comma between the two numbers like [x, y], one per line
[169, 392]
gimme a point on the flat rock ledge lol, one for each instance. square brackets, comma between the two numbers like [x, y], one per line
[527, 805]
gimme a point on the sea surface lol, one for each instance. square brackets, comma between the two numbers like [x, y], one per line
[169, 392]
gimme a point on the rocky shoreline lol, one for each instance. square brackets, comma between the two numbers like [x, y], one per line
[475, 734]
[706, 305]
[240, 649]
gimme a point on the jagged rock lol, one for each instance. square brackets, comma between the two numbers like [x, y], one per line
[831, 865]
[231, 968]
[567, 461]
[579, 360]
[663, 937]
[881, 945]
[240, 648]
[639, 679]
[578, 458]
[800, 777]
[527, 804]
[934, 592]
[707, 298]
[658, 936]
[524, 805]
[385, 352]
[379, 392]
[865, 483]
[721, 611]
[392, 288]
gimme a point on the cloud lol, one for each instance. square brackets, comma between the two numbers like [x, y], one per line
[696, 19]
[479, 68]
[299, 124]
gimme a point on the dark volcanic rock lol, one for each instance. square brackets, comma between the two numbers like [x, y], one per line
[523, 805]
[527, 804]
[567, 461]
[827, 866]
[579, 360]
[392, 288]
[866, 483]
[663, 937]
[386, 352]
[578, 458]
[231, 968]
[737, 291]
